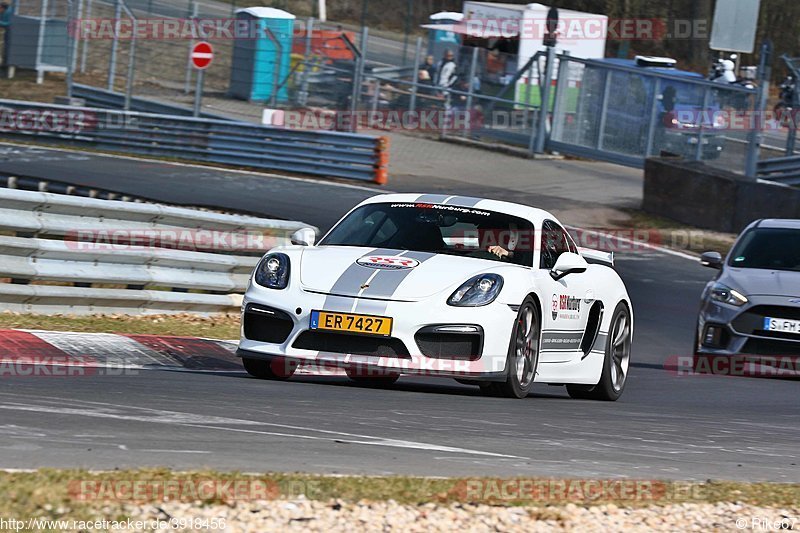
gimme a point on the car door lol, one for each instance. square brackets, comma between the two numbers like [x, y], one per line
[566, 301]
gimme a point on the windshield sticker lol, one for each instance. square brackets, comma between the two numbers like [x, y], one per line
[442, 207]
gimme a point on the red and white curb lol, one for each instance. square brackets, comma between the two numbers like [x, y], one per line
[107, 350]
[121, 351]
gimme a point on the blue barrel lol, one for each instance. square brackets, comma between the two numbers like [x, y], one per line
[259, 64]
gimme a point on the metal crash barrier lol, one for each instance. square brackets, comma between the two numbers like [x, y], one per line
[67, 254]
[320, 153]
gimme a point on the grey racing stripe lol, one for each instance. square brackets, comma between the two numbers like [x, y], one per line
[463, 201]
[599, 345]
[385, 284]
[350, 281]
[432, 198]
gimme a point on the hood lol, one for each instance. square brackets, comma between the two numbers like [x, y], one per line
[390, 274]
[757, 281]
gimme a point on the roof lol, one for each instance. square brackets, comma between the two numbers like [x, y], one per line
[779, 223]
[632, 64]
[447, 15]
[266, 13]
[533, 214]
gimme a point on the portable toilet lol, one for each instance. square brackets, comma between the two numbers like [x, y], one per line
[259, 62]
[440, 36]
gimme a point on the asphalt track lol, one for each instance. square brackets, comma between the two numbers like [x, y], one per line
[665, 425]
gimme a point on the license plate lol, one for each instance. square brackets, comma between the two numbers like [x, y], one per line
[782, 324]
[351, 323]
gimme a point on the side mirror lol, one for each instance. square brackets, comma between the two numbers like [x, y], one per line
[711, 260]
[304, 237]
[568, 263]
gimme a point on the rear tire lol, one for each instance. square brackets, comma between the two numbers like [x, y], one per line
[275, 368]
[523, 354]
[615, 363]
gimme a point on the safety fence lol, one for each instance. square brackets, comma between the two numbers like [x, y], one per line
[324, 153]
[66, 254]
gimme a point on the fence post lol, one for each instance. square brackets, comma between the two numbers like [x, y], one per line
[651, 130]
[72, 43]
[412, 103]
[473, 66]
[131, 65]
[40, 41]
[302, 97]
[358, 73]
[603, 110]
[541, 126]
[759, 106]
[698, 152]
[112, 61]
[187, 84]
[198, 93]
[85, 45]
[73, 24]
[562, 82]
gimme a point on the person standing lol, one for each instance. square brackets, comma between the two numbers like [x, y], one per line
[430, 66]
[447, 71]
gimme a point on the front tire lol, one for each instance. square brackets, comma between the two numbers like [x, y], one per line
[615, 363]
[275, 368]
[523, 354]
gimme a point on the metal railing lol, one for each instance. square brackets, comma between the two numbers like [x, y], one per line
[78, 255]
[323, 153]
[784, 170]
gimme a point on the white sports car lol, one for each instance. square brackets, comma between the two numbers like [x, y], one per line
[490, 293]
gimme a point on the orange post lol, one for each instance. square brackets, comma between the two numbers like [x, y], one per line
[382, 161]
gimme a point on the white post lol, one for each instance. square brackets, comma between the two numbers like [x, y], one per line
[323, 11]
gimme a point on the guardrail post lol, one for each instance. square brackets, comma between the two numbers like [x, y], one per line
[541, 129]
[381, 160]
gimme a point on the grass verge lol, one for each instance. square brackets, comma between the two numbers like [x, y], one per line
[80, 494]
[223, 327]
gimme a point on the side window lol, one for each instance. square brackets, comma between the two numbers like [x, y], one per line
[555, 242]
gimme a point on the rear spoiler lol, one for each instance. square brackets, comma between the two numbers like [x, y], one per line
[597, 256]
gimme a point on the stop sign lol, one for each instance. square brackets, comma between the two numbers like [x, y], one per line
[202, 55]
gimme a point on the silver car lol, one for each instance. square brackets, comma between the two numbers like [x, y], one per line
[752, 306]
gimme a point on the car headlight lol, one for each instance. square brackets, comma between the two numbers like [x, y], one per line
[273, 271]
[723, 293]
[477, 291]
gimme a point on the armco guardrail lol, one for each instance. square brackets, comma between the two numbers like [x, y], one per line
[322, 153]
[102, 98]
[111, 256]
[784, 170]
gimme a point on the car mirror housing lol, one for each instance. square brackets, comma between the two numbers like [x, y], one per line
[304, 237]
[711, 260]
[568, 263]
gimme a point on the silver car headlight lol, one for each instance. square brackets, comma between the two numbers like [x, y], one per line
[273, 271]
[723, 293]
[477, 291]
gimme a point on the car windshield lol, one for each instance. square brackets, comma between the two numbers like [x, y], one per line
[442, 229]
[769, 248]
